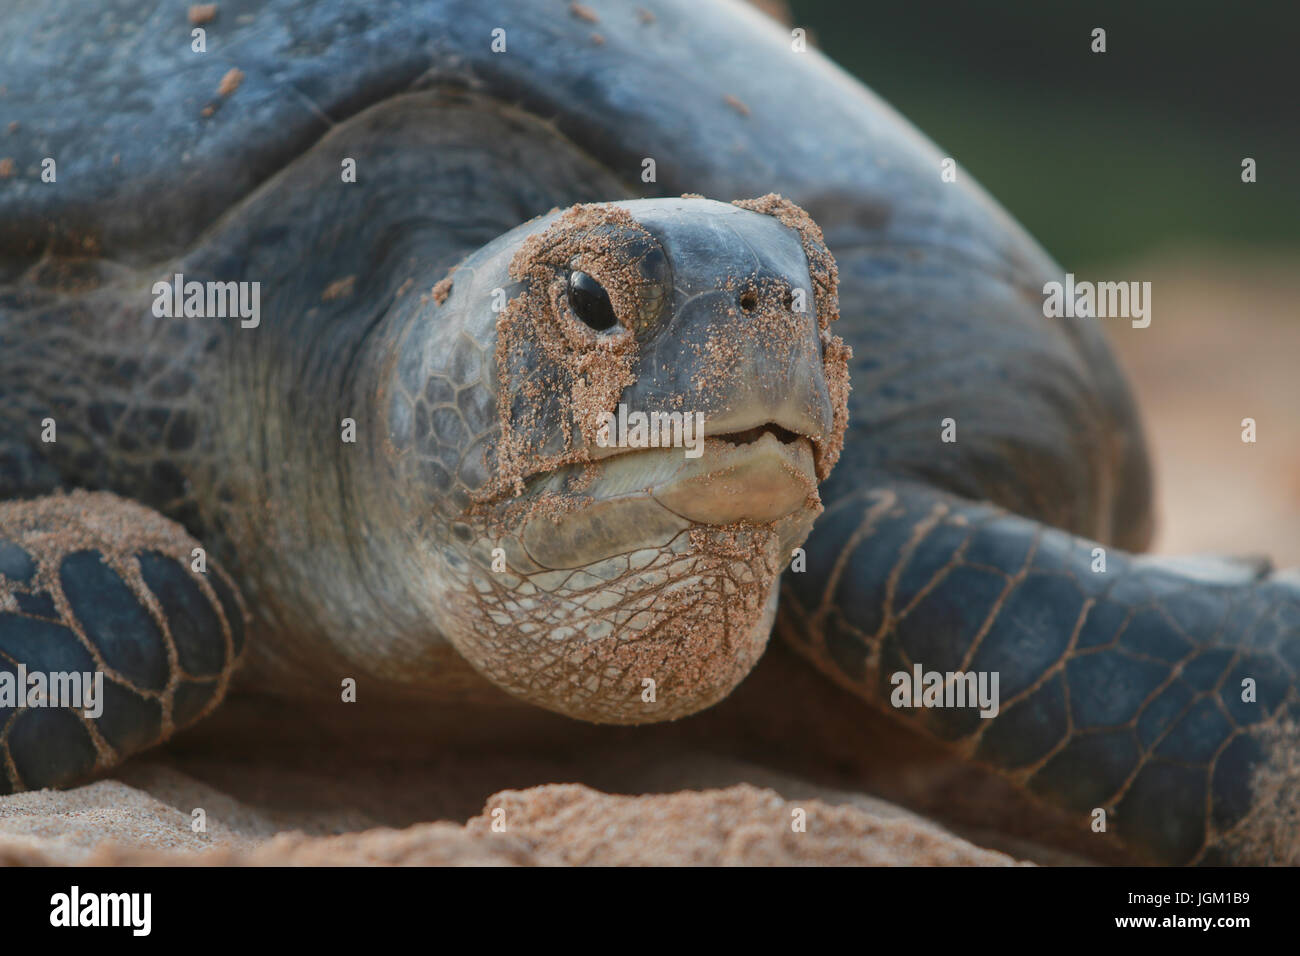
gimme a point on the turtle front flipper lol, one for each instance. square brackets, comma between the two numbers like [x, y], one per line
[1161, 692]
[115, 631]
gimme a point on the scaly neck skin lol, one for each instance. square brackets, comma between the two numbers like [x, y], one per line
[311, 528]
[125, 392]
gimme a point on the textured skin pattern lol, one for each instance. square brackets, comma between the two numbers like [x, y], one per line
[91, 584]
[127, 417]
[1119, 690]
[583, 640]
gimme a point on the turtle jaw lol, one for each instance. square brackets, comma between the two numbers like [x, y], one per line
[653, 634]
[641, 498]
[654, 596]
[759, 480]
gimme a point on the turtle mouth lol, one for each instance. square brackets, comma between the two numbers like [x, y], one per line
[644, 497]
[755, 473]
[751, 435]
[760, 474]
[734, 429]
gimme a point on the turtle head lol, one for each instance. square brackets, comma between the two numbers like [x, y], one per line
[615, 426]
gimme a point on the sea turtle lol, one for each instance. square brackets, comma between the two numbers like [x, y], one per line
[390, 468]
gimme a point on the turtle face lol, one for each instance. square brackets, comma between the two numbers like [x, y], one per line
[664, 394]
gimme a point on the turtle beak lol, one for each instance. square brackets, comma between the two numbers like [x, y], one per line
[759, 480]
[644, 498]
[758, 476]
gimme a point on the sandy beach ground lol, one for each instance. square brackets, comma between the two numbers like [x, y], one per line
[277, 785]
[1223, 345]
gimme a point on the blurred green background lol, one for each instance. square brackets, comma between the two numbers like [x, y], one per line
[1102, 156]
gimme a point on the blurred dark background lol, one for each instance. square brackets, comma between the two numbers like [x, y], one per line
[1126, 165]
[1101, 156]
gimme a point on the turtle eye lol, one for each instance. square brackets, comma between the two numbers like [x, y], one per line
[590, 302]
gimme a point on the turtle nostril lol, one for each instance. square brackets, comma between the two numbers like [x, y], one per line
[749, 300]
